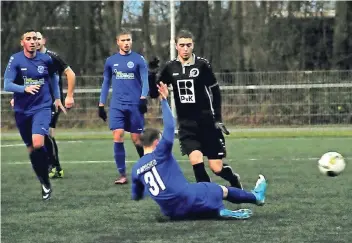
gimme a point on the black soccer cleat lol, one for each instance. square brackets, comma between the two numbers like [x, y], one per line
[46, 192]
[236, 181]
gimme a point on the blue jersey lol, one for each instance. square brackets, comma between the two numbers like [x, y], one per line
[129, 77]
[22, 71]
[160, 173]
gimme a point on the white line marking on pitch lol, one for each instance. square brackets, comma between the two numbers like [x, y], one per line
[23, 145]
[180, 160]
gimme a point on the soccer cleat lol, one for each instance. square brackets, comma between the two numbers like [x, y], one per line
[53, 174]
[260, 189]
[236, 183]
[236, 214]
[46, 192]
[122, 180]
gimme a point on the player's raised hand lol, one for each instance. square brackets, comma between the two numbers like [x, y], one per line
[12, 102]
[69, 102]
[58, 104]
[102, 113]
[163, 90]
[32, 89]
[221, 126]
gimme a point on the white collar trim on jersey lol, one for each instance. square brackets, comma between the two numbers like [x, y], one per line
[192, 62]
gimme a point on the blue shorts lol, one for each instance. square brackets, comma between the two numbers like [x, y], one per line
[127, 117]
[201, 199]
[36, 123]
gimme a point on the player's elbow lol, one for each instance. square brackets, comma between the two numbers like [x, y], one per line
[70, 74]
[7, 85]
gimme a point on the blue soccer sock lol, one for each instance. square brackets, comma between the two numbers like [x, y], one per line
[119, 155]
[40, 164]
[236, 195]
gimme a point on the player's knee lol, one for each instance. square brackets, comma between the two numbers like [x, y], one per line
[136, 138]
[196, 157]
[118, 135]
[215, 165]
[38, 141]
[225, 191]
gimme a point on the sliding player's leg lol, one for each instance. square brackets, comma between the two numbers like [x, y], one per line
[255, 196]
[208, 202]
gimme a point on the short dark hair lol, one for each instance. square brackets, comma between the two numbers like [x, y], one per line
[123, 32]
[149, 136]
[42, 33]
[184, 34]
[27, 31]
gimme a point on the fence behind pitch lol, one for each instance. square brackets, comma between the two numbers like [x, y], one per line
[248, 99]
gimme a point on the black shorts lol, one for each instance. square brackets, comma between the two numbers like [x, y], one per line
[54, 114]
[54, 117]
[202, 135]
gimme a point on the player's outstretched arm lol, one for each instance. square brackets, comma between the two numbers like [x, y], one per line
[164, 148]
[168, 119]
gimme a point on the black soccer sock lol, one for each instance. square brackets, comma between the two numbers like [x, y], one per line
[40, 164]
[57, 161]
[50, 148]
[140, 150]
[227, 174]
[200, 173]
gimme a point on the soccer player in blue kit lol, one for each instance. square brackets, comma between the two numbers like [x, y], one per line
[160, 174]
[29, 74]
[127, 72]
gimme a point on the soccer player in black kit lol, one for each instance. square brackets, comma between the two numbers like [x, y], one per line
[199, 115]
[63, 68]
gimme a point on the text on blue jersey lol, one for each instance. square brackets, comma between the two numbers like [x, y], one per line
[22, 71]
[128, 76]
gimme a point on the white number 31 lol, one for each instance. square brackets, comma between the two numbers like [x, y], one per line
[155, 183]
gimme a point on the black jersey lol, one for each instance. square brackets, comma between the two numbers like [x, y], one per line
[60, 66]
[192, 85]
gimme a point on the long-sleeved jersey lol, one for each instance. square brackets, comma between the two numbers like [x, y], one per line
[193, 85]
[22, 71]
[160, 173]
[128, 75]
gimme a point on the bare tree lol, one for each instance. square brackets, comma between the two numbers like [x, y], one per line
[148, 47]
[238, 44]
[342, 35]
